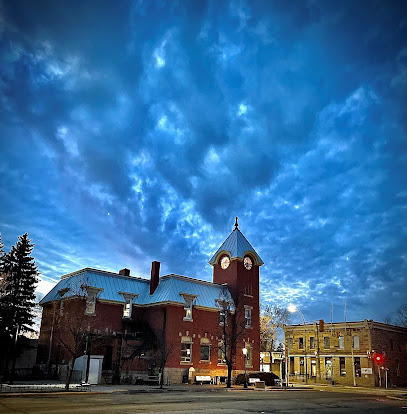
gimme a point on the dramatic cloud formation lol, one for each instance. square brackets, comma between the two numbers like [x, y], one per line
[136, 131]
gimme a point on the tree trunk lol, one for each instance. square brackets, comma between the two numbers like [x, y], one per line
[69, 374]
[229, 380]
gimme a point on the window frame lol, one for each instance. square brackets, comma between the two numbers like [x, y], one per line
[248, 316]
[186, 344]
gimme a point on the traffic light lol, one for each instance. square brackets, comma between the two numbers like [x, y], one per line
[379, 358]
[321, 325]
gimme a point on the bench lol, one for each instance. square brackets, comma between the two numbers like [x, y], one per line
[152, 380]
[260, 384]
[200, 379]
[252, 381]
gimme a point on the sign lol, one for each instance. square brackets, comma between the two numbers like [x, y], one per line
[366, 370]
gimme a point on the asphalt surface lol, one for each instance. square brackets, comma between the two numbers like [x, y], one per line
[208, 400]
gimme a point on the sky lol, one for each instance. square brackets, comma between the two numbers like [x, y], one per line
[133, 131]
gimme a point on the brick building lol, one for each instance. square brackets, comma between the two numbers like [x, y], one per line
[116, 318]
[344, 353]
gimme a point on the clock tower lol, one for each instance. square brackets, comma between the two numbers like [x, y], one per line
[237, 265]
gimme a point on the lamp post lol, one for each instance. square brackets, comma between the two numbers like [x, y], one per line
[245, 357]
[293, 308]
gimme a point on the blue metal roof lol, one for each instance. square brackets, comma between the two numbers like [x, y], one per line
[169, 289]
[237, 246]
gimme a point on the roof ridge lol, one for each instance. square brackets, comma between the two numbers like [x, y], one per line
[188, 278]
[102, 272]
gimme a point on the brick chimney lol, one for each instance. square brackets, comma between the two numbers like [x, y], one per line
[155, 276]
[124, 272]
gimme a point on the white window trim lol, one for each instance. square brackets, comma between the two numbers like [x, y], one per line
[189, 303]
[92, 293]
[128, 299]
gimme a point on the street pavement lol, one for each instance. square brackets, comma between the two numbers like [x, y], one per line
[208, 399]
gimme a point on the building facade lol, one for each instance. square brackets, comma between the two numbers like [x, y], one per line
[133, 327]
[365, 353]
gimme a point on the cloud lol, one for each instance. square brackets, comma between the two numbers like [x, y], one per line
[136, 132]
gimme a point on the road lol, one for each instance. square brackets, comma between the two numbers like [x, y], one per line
[204, 401]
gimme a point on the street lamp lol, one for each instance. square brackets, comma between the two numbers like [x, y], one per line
[245, 358]
[293, 308]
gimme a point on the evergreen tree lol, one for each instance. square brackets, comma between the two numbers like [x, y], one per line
[18, 296]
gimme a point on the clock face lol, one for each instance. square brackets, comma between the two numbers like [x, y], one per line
[248, 263]
[225, 262]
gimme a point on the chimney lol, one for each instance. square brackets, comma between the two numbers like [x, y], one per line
[155, 276]
[124, 272]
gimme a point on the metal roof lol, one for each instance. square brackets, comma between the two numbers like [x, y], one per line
[169, 289]
[237, 246]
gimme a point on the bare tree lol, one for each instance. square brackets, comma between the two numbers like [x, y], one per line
[232, 325]
[272, 319]
[401, 316]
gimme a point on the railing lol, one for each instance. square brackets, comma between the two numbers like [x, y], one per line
[7, 388]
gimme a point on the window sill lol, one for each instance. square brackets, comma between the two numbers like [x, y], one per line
[204, 361]
[188, 319]
[186, 363]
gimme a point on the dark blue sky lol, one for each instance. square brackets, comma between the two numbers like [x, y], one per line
[134, 131]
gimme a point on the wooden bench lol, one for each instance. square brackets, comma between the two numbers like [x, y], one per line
[200, 379]
[252, 381]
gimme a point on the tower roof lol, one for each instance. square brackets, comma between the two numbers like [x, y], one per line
[237, 246]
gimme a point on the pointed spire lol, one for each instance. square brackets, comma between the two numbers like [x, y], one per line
[236, 223]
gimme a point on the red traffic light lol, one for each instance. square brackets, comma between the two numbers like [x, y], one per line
[379, 358]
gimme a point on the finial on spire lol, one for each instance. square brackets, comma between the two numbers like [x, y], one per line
[236, 224]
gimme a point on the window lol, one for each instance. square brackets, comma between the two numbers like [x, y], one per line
[128, 305]
[342, 368]
[248, 289]
[302, 371]
[248, 316]
[186, 349]
[300, 342]
[91, 295]
[391, 345]
[397, 367]
[327, 342]
[358, 371]
[189, 302]
[205, 349]
[249, 359]
[341, 342]
[355, 342]
[312, 342]
[221, 353]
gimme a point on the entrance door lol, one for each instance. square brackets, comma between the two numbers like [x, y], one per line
[328, 368]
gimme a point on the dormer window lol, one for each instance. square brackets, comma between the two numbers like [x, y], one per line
[91, 295]
[128, 305]
[189, 302]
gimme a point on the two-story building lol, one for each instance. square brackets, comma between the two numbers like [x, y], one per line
[130, 327]
[364, 353]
